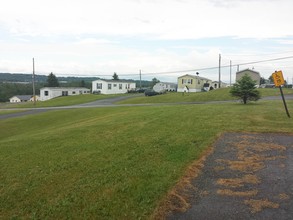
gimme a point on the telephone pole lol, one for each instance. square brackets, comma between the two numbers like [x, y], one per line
[219, 71]
[34, 90]
[140, 79]
[230, 71]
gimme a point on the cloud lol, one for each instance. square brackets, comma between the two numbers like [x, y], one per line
[102, 37]
[159, 19]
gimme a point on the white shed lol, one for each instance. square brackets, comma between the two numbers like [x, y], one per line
[47, 93]
[112, 86]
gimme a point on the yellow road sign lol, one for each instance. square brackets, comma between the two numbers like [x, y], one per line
[278, 78]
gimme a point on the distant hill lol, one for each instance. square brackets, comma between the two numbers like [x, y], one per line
[21, 77]
[26, 78]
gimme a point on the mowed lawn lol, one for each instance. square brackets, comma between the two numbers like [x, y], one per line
[113, 163]
[63, 101]
[213, 95]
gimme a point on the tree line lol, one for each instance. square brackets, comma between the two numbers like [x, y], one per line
[9, 89]
[21, 84]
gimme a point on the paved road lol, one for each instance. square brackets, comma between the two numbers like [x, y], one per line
[248, 176]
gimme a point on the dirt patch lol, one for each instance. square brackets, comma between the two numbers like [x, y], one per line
[238, 182]
[229, 192]
[258, 205]
[284, 196]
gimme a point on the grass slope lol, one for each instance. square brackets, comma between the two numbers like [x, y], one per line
[214, 95]
[113, 163]
[63, 101]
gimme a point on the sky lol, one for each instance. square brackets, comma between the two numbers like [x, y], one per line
[161, 38]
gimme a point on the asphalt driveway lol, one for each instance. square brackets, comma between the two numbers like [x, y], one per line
[248, 176]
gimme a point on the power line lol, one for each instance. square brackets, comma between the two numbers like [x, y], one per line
[225, 66]
[189, 70]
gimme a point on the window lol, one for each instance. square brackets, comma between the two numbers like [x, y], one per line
[120, 86]
[46, 93]
[186, 81]
[114, 85]
[99, 86]
[64, 93]
[109, 86]
[73, 92]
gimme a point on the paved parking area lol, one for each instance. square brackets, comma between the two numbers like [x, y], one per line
[248, 176]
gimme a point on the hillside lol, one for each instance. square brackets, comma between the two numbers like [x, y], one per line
[22, 77]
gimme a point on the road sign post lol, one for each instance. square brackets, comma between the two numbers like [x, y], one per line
[279, 81]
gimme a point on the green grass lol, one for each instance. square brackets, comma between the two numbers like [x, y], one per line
[5, 112]
[214, 95]
[113, 163]
[63, 101]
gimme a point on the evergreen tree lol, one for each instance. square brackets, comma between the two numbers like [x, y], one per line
[154, 82]
[82, 83]
[115, 76]
[245, 89]
[52, 81]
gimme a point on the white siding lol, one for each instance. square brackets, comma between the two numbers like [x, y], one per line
[159, 87]
[14, 99]
[48, 93]
[112, 87]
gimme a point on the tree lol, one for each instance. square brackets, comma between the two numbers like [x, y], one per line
[115, 76]
[154, 81]
[52, 81]
[245, 89]
[82, 83]
[262, 80]
[271, 79]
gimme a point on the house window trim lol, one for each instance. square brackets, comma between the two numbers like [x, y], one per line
[99, 85]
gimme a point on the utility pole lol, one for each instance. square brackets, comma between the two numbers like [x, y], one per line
[140, 79]
[219, 71]
[34, 90]
[230, 71]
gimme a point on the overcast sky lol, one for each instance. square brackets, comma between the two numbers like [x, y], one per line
[100, 37]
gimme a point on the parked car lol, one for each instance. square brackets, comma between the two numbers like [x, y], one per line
[150, 92]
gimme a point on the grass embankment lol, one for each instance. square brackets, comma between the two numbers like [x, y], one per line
[113, 163]
[4, 112]
[214, 95]
[63, 101]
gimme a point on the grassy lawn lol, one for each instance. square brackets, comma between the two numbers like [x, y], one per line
[3, 112]
[113, 163]
[63, 101]
[214, 95]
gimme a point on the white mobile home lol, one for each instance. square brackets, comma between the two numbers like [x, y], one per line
[53, 92]
[112, 86]
[165, 86]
